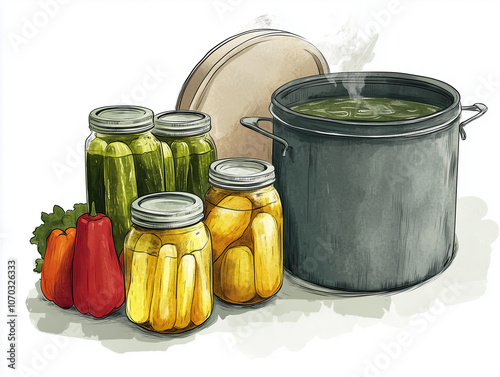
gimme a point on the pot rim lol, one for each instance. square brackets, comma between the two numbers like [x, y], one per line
[440, 120]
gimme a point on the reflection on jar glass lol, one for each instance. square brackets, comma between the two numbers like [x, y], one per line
[168, 263]
[243, 212]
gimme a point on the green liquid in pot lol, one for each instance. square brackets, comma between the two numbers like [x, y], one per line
[366, 109]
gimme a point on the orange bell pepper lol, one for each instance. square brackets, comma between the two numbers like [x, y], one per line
[57, 271]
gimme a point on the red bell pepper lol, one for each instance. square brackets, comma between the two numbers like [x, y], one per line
[98, 286]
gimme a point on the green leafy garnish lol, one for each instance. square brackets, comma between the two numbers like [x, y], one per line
[59, 219]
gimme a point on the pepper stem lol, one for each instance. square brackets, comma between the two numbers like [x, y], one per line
[93, 212]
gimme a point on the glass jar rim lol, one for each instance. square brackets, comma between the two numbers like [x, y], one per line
[167, 210]
[121, 119]
[241, 174]
[178, 123]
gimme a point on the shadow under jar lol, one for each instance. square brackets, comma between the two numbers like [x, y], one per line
[243, 212]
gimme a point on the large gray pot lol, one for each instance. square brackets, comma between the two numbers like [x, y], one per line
[367, 206]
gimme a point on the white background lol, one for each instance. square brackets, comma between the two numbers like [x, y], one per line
[60, 62]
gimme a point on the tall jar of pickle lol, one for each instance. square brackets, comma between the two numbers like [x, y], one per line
[123, 161]
[168, 263]
[188, 149]
[243, 212]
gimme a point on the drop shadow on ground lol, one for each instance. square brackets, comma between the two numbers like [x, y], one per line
[300, 311]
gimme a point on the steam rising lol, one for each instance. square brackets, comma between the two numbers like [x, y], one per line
[349, 50]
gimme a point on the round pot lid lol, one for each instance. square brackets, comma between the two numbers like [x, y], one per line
[237, 78]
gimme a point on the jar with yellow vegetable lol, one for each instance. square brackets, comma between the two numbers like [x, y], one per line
[168, 263]
[243, 212]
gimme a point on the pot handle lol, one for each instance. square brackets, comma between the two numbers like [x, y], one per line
[479, 108]
[253, 124]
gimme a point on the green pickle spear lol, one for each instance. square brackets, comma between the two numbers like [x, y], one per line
[180, 151]
[94, 165]
[168, 166]
[148, 165]
[203, 154]
[120, 189]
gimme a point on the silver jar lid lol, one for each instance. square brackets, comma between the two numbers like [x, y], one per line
[181, 123]
[121, 119]
[241, 174]
[167, 210]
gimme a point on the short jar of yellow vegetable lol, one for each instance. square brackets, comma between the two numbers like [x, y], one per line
[244, 215]
[168, 263]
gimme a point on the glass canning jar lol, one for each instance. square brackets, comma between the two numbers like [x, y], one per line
[168, 263]
[123, 161]
[188, 150]
[243, 212]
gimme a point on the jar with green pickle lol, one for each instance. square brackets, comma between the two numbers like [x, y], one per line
[168, 263]
[123, 160]
[188, 150]
[244, 215]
